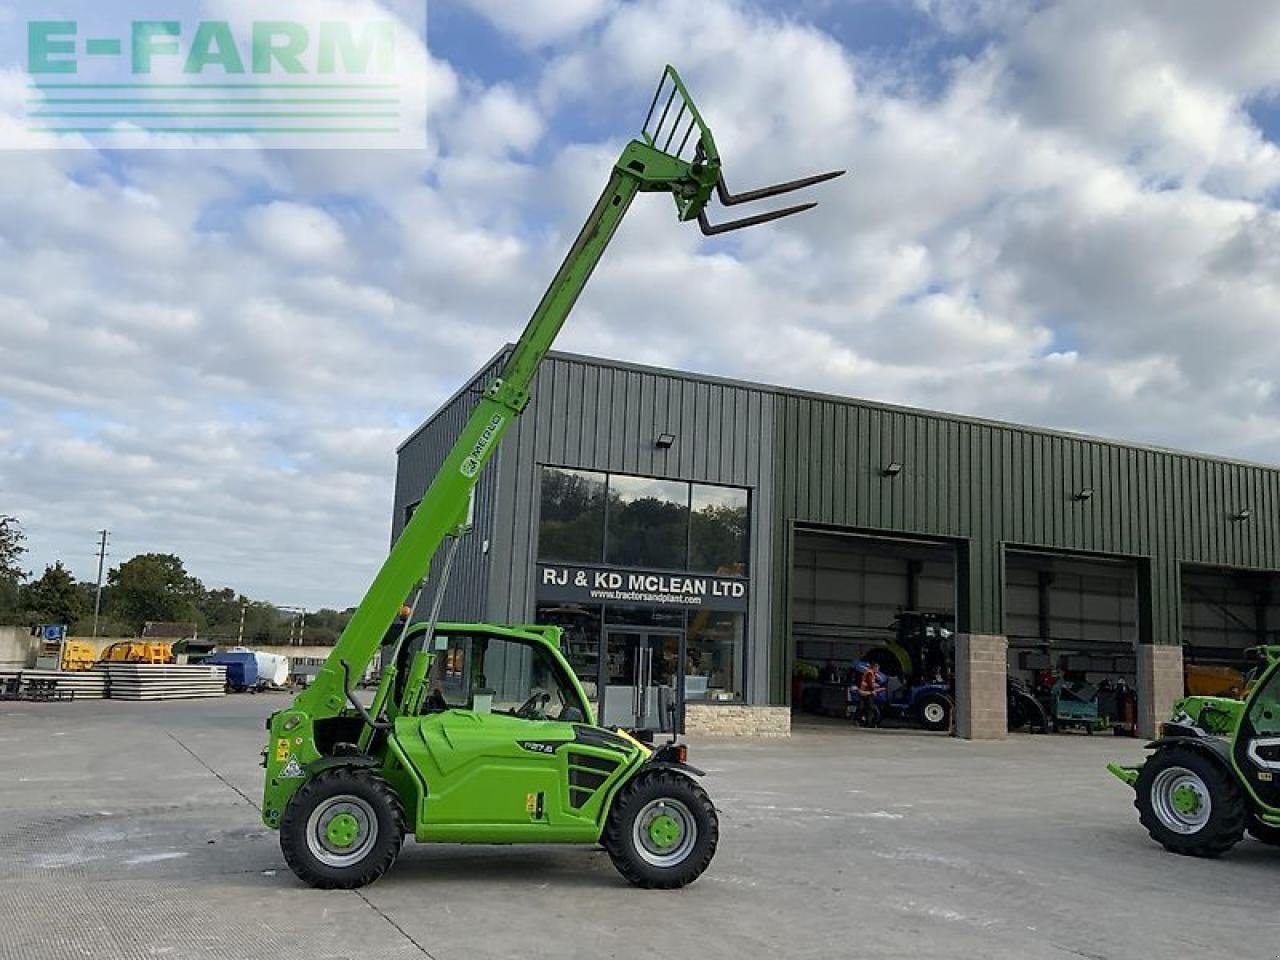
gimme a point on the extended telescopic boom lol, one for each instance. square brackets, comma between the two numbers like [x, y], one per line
[673, 131]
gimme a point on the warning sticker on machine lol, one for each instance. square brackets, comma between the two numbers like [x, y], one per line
[292, 770]
[282, 750]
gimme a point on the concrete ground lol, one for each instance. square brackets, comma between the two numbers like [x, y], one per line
[127, 830]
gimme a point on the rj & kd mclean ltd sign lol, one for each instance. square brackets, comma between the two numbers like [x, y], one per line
[586, 584]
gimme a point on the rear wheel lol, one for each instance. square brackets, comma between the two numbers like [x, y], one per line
[1188, 803]
[934, 712]
[342, 829]
[1263, 831]
[662, 831]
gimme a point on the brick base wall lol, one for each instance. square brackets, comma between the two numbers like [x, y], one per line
[737, 720]
[982, 670]
[1160, 683]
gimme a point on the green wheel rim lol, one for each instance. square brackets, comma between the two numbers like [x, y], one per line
[1185, 799]
[1181, 800]
[664, 832]
[342, 830]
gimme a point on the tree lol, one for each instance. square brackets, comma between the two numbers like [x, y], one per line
[153, 586]
[718, 539]
[220, 612]
[11, 574]
[325, 626]
[54, 598]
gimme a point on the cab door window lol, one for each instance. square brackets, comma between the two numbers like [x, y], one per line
[495, 674]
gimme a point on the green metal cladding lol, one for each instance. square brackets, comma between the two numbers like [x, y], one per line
[985, 486]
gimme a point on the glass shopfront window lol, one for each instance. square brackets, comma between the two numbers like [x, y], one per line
[626, 521]
[718, 527]
[713, 665]
[572, 515]
[648, 523]
[580, 642]
[648, 579]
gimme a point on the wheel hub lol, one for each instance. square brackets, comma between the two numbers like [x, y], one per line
[342, 830]
[1185, 799]
[664, 831]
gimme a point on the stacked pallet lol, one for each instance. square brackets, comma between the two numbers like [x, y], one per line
[164, 681]
[80, 684]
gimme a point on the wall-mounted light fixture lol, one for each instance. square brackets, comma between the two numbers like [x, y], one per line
[1085, 494]
[1241, 515]
[665, 441]
[891, 469]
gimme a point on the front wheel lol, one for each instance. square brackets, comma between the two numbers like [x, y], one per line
[934, 712]
[1188, 803]
[662, 831]
[343, 829]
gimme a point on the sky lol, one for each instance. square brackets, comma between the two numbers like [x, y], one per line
[1065, 214]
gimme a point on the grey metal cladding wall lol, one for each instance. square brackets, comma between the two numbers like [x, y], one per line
[992, 484]
[418, 460]
[597, 415]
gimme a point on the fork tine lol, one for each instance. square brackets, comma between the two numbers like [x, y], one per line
[733, 199]
[710, 229]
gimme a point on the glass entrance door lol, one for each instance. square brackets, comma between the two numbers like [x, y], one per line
[643, 679]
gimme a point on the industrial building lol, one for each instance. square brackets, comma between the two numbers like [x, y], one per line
[698, 537]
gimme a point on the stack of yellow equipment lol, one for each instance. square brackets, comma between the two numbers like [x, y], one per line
[138, 651]
[78, 655]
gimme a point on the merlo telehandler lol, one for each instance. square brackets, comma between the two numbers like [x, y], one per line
[1215, 771]
[479, 733]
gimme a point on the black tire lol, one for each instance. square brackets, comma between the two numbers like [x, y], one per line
[1204, 832]
[651, 795]
[1264, 832]
[379, 832]
[1025, 712]
[934, 712]
[1017, 717]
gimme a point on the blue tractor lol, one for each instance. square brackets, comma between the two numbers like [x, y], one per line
[916, 672]
[928, 705]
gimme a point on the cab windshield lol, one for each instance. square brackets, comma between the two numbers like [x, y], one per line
[505, 675]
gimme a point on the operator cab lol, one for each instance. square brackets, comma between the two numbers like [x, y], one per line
[483, 668]
[1257, 743]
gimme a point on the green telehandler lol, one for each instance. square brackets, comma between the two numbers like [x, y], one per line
[1215, 771]
[480, 733]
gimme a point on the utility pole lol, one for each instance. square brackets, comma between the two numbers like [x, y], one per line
[97, 599]
[297, 623]
[240, 632]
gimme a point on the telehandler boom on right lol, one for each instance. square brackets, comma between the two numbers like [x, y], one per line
[1215, 772]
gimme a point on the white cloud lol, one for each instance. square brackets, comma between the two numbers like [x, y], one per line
[295, 232]
[542, 21]
[216, 354]
[495, 122]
